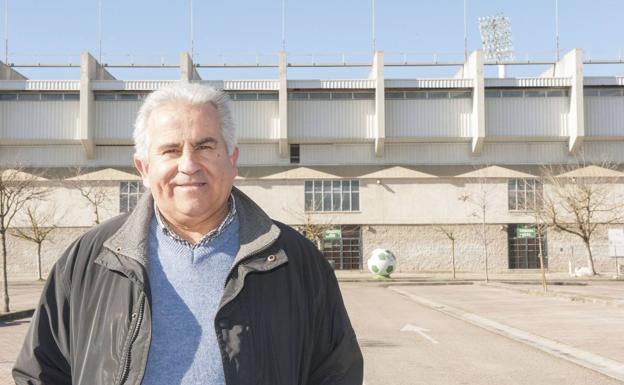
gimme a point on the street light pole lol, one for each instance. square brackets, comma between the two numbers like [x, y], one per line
[557, 27]
[373, 24]
[465, 33]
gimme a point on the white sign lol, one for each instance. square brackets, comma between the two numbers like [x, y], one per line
[616, 242]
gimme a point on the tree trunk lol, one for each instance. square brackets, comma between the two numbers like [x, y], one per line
[485, 251]
[541, 257]
[97, 215]
[453, 256]
[590, 258]
[39, 262]
[5, 282]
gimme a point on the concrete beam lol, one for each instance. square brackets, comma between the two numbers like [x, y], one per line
[284, 150]
[8, 73]
[473, 69]
[188, 71]
[571, 66]
[377, 74]
[90, 70]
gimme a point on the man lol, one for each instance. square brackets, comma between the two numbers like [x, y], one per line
[197, 285]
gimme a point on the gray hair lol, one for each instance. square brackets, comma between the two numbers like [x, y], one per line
[188, 93]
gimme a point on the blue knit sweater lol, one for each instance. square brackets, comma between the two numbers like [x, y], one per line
[186, 285]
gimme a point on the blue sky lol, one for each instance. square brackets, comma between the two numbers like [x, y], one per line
[156, 30]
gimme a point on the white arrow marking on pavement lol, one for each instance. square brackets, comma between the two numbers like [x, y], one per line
[419, 330]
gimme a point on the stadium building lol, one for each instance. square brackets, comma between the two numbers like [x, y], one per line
[372, 163]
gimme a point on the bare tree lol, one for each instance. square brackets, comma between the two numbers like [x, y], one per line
[450, 234]
[93, 191]
[17, 188]
[578, 203]
[39, 229]
[314, 231]
[535, 208]
[480, 201]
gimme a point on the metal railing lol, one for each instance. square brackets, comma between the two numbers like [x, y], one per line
[295, 59]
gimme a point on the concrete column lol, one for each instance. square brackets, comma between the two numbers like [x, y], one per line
[188, 72]
[473, 69]
[283, 106]
[8, 73]
[90, 70]
[377, 74]
[571, 66]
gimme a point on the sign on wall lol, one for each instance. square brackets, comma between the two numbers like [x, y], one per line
[525, 231]
[332, 235]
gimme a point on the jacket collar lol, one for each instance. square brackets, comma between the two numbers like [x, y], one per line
[257, 231]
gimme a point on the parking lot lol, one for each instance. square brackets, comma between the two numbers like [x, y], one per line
[440, 333]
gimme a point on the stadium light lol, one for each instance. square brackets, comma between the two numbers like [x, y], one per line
[496, 40]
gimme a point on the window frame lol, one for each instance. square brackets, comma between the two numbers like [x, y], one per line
[128, 198]
[524, 195]
[331, 196]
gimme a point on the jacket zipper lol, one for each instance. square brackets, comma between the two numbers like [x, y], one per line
[133, 336]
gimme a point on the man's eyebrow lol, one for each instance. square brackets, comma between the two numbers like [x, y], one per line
[165, 146]
[208, 140]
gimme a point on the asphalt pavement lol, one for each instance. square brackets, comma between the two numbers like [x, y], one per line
[431, 329]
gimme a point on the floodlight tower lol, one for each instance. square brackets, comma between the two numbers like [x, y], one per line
[496, 39]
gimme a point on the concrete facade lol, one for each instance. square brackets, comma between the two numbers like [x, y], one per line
[422, 152]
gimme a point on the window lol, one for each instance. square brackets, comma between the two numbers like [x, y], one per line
[524, 194]
[364, 95]
[523, 245]
[129, 193]
[33, 96]
[51, 96]
[530, 93]
[109, 96]
[332, 195]
[294, 154]
[320, 95]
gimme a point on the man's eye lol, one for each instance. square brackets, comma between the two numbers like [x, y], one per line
[170, 151]
[205, 147]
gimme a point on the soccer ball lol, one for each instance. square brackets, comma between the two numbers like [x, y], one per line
[381, 263]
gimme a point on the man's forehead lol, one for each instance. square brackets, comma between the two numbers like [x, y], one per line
[184, 110]
[175, 116]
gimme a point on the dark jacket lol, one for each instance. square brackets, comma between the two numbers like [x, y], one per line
[281, 319]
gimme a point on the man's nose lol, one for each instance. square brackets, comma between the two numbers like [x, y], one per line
[187, 163]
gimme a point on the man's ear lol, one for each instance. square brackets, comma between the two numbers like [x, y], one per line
[234, 159]
[142, 167]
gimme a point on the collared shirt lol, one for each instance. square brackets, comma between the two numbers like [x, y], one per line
[207, 237]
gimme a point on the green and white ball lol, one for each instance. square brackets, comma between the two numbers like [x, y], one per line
[381, 263]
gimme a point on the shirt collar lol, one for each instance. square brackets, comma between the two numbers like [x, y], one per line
[212, 234]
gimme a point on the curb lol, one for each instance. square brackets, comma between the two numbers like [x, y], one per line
[16, 315]
[406, 282]
[605, 366]
[575, 297]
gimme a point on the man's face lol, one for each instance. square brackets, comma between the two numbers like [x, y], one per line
[189, 170]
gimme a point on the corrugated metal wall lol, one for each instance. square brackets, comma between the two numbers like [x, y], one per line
[256, 120]
[39, 120]
[330, 119]
[442, 153]
[260, 154]
[428, 118]
[336, 154]
[114, 121]
[601, 151]
[604, 116]
[66, 156]
[532, 117]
